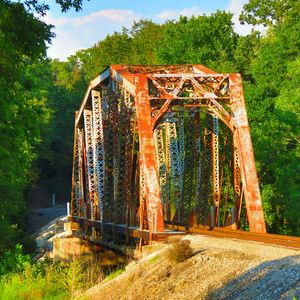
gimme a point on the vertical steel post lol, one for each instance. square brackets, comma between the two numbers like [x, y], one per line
[128, 154]
[176, 172]
[162, 170]
[108, 154]
[142, 209]
[236, 179]
[99, 162]
[206, 170]
[147, 152]
[246, 156]
[168, 167]
[75, 175]
[197, 165]
[118, 152]
[181, 157]
[215, 167]
[89, 144]
[77, 180]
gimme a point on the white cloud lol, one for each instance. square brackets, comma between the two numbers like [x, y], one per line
[73, 34]
[81, 32]
[236, 7]
[65, 44]
[175, 14]
[55, 21]
[167, 14]
[114, 15]
[193, 11]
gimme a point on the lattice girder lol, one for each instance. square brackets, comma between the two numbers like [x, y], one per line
[142, 156]
[99, 161]
[89, 144]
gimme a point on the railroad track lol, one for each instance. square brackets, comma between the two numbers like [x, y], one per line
[266, 238]
[291, 242]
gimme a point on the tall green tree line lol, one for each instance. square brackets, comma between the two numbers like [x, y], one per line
[38, 96]
[269, 64]
[25, 112]
[274, 105]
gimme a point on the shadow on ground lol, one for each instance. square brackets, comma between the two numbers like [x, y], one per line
[276, 279]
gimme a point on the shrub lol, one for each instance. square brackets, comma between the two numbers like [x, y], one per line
[23, 279]
[180, 251]
[13, 261]
[45, 280]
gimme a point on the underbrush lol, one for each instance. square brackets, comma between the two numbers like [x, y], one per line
[180, 251]
[22, 279]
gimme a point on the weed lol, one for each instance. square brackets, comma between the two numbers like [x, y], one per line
[73, 277]
[180, 251]
[45, 280]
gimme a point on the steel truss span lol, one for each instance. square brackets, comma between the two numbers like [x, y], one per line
[161, 145]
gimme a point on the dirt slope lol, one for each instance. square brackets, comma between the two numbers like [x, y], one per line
[219, 269]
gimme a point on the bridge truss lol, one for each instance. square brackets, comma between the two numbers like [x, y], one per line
[162, 145]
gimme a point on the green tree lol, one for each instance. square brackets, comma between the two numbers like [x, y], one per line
[273, 105]
[114, 49]
[24, 112]
[208, 40]
[66, 88]
[130, 46]
[146, 36]
[41, 8]
[266, 12]
[246, 51]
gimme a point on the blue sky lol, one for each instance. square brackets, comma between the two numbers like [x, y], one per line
[98, 18]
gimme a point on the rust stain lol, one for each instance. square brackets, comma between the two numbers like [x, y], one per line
[145, 180]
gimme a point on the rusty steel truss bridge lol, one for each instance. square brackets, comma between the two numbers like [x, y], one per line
[157, 147]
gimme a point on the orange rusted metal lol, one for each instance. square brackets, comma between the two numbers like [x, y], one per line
[155, 160]
[147, 150]
[246, 156]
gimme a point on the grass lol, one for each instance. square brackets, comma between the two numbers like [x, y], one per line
[60, 281]
[114, 274]
[153, 259]
[32, 285]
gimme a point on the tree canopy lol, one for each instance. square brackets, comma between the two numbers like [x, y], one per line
[267, 12]
[39, 96]
[273, 104]
[24, 105]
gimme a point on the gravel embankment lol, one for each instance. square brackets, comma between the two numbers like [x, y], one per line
[219, 269]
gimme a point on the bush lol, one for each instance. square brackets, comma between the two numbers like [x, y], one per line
[40, 280]
[13, 261]
[180, 251]
[45, 280]
[21, 278]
